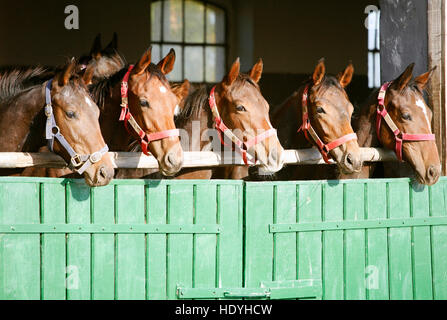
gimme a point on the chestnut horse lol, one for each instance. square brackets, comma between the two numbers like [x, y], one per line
[236, 103]
[396, 117]
[319, 114]
[39, 105]
[138, 102]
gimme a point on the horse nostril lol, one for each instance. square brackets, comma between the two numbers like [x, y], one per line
[432, 173]
[349, 159]
[103, 173]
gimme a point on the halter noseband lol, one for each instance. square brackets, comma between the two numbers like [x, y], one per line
[307, 129]
[399, 136]
[241, 147]
[78, 163]
[128, 119]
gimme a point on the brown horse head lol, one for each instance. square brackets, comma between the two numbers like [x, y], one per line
[108, 60]
[245, 111]
[77, 116]
[405, 104]
[153, 103]
[330, 113]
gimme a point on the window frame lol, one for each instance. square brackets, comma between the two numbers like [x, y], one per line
[184, 43]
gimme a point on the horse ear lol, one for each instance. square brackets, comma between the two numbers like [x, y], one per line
[233, 74]
[95, 52]
[89, 73]
[67, 72]
[423, 79]
[167, 64]
[256, 71]
[345, 77]
[403, 80]
[319, 72]
[113, 45]
[182, 91]
[144, 62]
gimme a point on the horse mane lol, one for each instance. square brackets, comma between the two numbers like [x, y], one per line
[15, 80]
[101, 89]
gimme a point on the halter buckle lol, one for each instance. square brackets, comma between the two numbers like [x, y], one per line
[125, 102]
[76, 161]
[48, 110]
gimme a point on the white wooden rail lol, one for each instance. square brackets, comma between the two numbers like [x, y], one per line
[133, 160]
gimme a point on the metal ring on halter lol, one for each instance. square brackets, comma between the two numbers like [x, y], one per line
[95, 157]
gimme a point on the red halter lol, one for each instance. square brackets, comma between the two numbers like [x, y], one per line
[399, 136]
[242, 147]
[306, 127]
[127, 117]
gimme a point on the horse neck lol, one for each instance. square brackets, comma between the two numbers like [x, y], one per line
[113, 130]
[22, 122]
[202, 120]
[366, 124]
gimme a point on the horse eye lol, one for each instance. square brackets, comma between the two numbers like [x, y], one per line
[71, 114]
[320, 110]
[241, 108]
[406, 116]
[144, 103]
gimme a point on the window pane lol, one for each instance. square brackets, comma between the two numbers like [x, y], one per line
[370, 70]
[377, 81]
[215, 64]
[194, 64]
[194, 21]
[173, 21]
[378, 31]
[215, 25]
[156, 56]
[176, 74]
[372, 19]
[156, 21]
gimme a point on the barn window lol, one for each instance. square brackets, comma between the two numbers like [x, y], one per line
[374, 49]
[196, 31]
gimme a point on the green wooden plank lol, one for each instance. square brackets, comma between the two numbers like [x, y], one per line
[78, 269]
[180, 246]
[309, 243]
[53, 245]
[354, 244]
[285, 267]
[399, 241]
[422, 273]
[156, 243]
[230, 241]
[377, 286]
[258, 241]
[19, 254]
[131, 248]
[103, 245]
[333, 278]
[205, 209]
[438, 194]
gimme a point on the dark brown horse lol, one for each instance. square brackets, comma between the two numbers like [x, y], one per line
[329, 113]
[108, 59]
[406, 107]
[38, 105]
[241, 108]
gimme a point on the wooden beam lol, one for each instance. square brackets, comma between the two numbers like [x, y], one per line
[436, 57]
[134, 160]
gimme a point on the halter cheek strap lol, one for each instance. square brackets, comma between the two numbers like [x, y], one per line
[399, 136]
[78, 163]
[222, 129]
[131, 124]
[312, 136]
